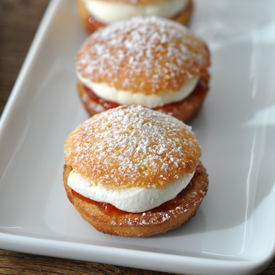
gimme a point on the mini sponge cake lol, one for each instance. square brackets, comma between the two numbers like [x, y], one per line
[132, 171]
[148, 61]
[95, 14]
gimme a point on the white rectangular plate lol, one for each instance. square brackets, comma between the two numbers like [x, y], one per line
[233, 231]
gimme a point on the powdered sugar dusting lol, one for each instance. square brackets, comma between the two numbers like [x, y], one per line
[143, 54]
[132, 146]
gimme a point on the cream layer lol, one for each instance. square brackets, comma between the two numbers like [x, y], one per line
[122, 97]
[108, 11]
[133, 199]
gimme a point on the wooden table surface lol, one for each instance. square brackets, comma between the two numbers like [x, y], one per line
[19, 20]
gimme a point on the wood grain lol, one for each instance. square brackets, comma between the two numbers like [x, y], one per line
[20, 263]
[19, 20]
[18, 23]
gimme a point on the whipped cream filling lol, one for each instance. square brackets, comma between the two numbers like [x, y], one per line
[133, 199]
[123, 97]
[108, 12]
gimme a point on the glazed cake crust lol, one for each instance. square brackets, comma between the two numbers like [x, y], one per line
[132, 147]
[144, 54]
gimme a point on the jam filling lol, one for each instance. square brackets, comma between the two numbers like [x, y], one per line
[93, 24]
[105, 207]
[109, 104]
[105, 103]
[111, 210]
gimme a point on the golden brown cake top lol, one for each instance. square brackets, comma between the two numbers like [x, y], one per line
[143, 54]
[132, 147]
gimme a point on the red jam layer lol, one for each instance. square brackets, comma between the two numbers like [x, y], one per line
[94, 22]
[111, 210]
[105, 103]
[107, 208]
